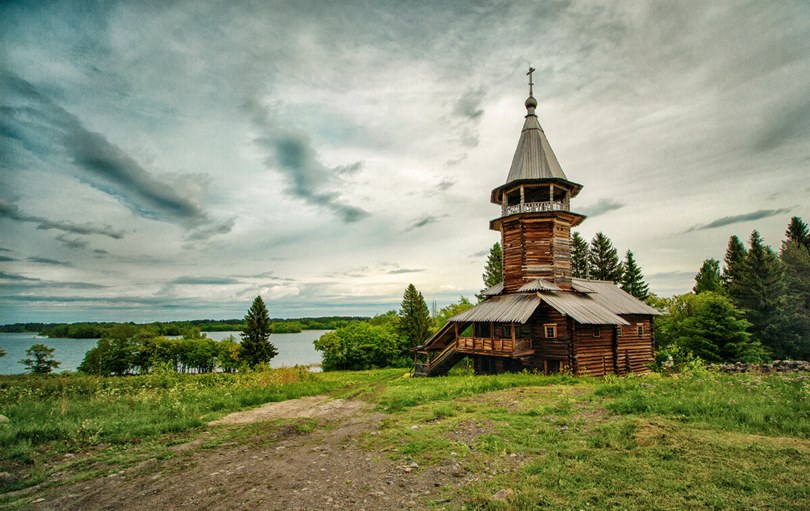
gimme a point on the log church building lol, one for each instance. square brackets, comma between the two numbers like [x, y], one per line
[540, 318]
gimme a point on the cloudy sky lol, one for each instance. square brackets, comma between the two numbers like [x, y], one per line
[165, 161]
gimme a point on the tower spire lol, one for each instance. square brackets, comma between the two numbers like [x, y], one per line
[531, 103]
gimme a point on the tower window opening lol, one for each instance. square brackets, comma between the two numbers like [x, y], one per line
[597, 331]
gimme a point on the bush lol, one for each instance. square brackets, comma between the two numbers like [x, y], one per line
[364, 345]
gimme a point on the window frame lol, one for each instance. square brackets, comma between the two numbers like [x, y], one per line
[553, 327]
[597, 330]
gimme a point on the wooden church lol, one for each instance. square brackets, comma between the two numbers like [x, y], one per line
[540, 318]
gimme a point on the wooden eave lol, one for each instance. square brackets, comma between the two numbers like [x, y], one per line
[496, 196]
[573, 218]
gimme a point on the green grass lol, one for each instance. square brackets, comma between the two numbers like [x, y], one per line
[692, 441]
[53, 415]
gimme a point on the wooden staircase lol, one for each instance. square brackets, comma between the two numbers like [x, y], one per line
[441, 363]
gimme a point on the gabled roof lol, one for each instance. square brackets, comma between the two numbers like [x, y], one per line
[614, 298]
[511, 308]
[583, 308]
[494, 290]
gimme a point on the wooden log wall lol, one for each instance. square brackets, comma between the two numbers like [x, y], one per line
[536, 248]
[635, 351]
[562, 254]
[594, 356]
[512, 243]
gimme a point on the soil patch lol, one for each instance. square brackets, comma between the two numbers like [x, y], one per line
[308, 407]
[324, 469]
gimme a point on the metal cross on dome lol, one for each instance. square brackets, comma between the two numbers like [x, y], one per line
[531, 83]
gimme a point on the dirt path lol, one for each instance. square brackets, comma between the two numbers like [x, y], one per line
[290, 470]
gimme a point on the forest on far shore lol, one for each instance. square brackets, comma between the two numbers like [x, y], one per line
[94, 330]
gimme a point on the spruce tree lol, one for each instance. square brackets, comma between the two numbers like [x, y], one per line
[796, 334]
[708, 278]
[604, 259]
[579, 257]
[632, 280]
[493, 271]
[798, 233]
[414, 317]
[256, 348]
[40, 359]
[734, 260]
[759, 290]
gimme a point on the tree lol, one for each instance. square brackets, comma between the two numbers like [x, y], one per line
[40, 359]
[759, 289]
[734, 260]
[798, 233]
[708, 278]
[604, 259]
[579, 257]
[709, 326]
[493, 271]
[364, 345]
[256, 348]
[632, 279]
[414, 317]
[796, 334]
[451, 310]
[228, 354]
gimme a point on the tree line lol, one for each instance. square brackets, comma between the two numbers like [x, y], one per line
[756, 307]
[137, 349]
[95, 330]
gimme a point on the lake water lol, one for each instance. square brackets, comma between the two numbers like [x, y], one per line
[293, 349]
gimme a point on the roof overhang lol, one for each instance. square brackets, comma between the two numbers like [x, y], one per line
[510, 308]
[574, 188]
[574, 219]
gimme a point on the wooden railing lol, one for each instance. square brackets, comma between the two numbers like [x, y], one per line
[534, 207]
[487, 345]
[446, 352]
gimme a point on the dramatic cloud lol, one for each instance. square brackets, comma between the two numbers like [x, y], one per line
[745, 217]
[424, 221]
[601, 207]
[15, 276]
[405, 270]
[6, 258]
[75, 243]
[194, 281]
[13, 212]
[103, 165]
[308, 178]
[45, 260]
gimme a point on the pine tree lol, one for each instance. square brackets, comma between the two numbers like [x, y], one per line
[734, 260]
[759, 290]
[40, 359]
[414, 317]
[708, 278]
[796, 334]
[604, 259]
[493, 271]
[632, 280]
[256, 347]
[797, 232]
[579, 257]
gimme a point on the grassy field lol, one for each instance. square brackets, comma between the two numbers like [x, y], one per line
[700, 440]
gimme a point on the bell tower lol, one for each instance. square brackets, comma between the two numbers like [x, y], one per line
[536, 218]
